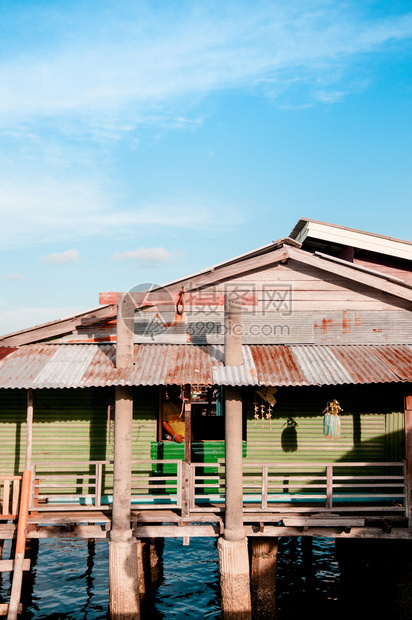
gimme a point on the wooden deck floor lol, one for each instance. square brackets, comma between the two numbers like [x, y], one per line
[170, 524]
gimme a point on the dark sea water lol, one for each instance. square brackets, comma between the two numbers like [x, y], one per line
[355, 579]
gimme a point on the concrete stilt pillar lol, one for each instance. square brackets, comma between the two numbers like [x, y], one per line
[263, 577]
[232, 548]
[123, 560]
[124, 599]
[234, 579]
[123, 580]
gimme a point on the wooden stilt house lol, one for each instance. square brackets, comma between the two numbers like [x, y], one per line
[325, 375]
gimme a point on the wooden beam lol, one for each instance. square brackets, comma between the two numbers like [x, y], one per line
[4, 609]
[349, 271]
[175, 531]
[7, 566]
[57, 328]
[236, 270]
[68, 532]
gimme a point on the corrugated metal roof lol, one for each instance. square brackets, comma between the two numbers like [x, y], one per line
[79, 366]
[236, 375]
[319, 365]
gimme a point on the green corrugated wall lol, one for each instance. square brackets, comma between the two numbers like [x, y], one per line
[372, 426]
[70, 425]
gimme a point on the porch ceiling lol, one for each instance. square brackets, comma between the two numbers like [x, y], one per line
[79, 366]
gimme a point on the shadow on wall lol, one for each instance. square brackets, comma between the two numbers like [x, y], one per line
[289, 437]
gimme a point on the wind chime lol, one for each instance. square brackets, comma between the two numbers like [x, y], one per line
[331, 420]
[263, 410]
[261, 413]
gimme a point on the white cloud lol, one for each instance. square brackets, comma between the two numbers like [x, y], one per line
[34, 210]
[61, 258]
[13, 276]
[114, 78]
[149, 256]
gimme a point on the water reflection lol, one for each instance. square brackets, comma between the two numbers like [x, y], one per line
[359, 578]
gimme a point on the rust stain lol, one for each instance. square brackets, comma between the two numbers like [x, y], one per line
[346, 323]
[326, 323]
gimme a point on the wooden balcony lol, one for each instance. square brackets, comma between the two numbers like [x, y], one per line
[269, 488]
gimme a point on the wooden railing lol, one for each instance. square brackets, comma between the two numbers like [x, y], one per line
[331, 486]
[9, 495]
[207, 486]
[67, 483]
[159, 489]
[267, 487]
[84, 485]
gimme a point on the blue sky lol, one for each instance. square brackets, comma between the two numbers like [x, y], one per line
[143, 141]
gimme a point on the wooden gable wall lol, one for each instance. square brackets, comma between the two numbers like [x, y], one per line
[293, 302]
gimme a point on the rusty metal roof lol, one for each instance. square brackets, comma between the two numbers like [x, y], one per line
[79, 366]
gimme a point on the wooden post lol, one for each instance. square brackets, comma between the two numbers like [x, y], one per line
[123, 560]
[263, 576]
[29, 428]
[140, 562]
[20, 547]
[156, 560]
[188, 424]
[329, 486]
[408, 454]
[232, 548]
[187, 459]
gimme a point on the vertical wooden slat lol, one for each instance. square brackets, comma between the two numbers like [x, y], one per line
[408, 452]
[15, 500]
[264, 487]
[188, 423]
[406, 496]
[187, 455]
[329, 485]
[192, 486]
[6, 497]
[32, 483]
[185, 489]
[98, 488]
[179, 485]
[29, 428]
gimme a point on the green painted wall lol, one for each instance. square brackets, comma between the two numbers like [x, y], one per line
[372, 426]
[70, 425]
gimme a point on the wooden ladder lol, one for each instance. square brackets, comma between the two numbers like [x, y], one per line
[19, 564]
